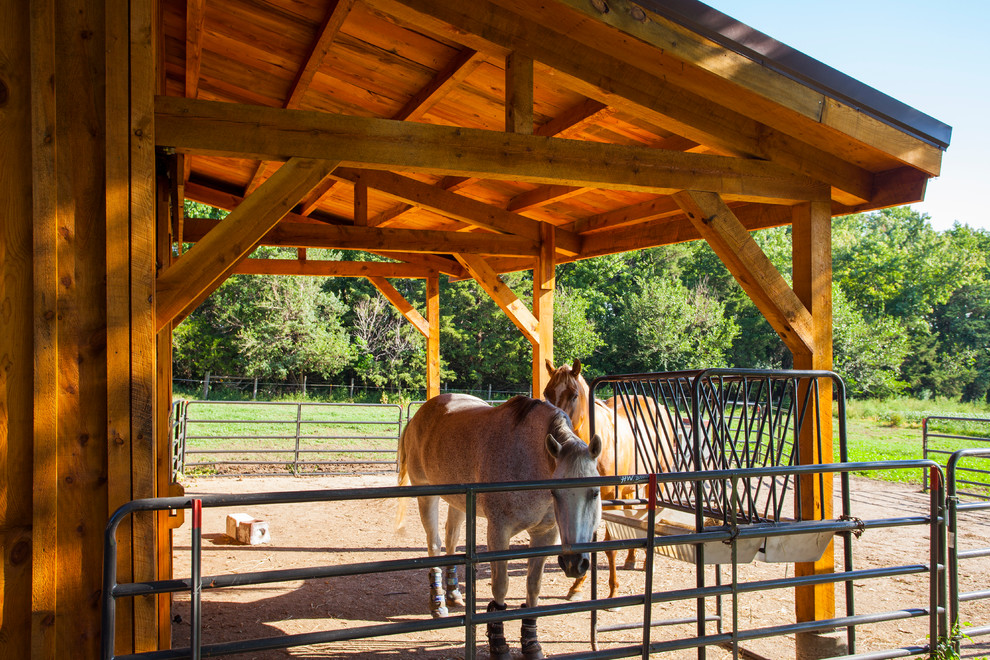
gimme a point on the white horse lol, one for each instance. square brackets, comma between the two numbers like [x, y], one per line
[457, 439]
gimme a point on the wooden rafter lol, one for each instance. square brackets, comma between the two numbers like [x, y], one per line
[195, 20]
[607, 78]
[304, 77]
[675, 230]
[503, 296]
[649, 210]
[454, 206]
[750, 266]
[234, 130]
[449, 77]
[399, 301]
[518, 94]
[215, 254]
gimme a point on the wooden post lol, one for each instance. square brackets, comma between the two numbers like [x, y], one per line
[543, 286]
[518, 94]
[812, 264]
[37, 578]
[433, 339]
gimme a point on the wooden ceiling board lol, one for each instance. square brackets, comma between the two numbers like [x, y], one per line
[253, 50]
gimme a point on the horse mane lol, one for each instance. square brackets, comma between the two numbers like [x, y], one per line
[521, 406]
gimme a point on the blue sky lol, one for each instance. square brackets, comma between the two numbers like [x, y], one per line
[929, 55]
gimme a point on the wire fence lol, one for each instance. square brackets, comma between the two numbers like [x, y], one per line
[213, 387]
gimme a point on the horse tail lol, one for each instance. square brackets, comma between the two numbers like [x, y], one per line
[404, 480]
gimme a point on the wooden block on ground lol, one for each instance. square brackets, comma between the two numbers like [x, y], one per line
[247, 529]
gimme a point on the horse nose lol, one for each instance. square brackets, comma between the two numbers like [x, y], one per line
[574, 565]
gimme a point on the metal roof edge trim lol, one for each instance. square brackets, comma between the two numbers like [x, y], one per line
[753, 44]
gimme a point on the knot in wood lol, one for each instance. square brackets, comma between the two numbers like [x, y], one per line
[600, 5]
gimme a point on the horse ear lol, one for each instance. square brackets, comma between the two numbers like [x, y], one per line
[576, 367]
[553, 446]
[595, 446]
[550, 368]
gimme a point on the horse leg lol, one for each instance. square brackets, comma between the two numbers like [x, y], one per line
[630, 563]
[455, 520]
[534, 579]
[576, 588]
[429, 513]
[498, 539]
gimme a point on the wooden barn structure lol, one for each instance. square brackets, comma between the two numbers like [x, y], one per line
[459, 138]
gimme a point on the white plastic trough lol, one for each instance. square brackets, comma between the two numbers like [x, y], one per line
[632, 524]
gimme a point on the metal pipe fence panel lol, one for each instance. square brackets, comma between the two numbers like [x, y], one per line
[733, 533]
[246, 437]
[721, 419]
[962, 515]
[943, 435]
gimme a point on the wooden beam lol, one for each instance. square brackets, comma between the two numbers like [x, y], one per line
[433, 338]
[464, 63]
[377, 239]
[628, 86]
[750, 266]
[229, 202]
[518, 94]
[232, 130]
[401, 304]
[567, 123]
[367, 269]
[214, 255]
[503, 296]
[454, 206]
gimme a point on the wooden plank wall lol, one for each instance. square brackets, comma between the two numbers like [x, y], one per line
[74, 420]
[16, 331]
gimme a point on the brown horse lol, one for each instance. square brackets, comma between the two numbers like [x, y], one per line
[456, 439]
[568, 390]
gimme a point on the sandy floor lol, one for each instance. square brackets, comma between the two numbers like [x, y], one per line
[352, 532]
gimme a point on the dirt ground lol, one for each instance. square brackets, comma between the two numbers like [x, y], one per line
[361, 531]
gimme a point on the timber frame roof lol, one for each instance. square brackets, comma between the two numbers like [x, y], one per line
[445, 128]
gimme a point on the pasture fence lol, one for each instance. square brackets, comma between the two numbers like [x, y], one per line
[732, 534]
[284, 437]
[935, 444]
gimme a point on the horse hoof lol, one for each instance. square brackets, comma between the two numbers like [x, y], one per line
[454, 600]
[629, 565]
[572, 594]
[533, 654]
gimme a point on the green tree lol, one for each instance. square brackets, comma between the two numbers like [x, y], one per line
[574, 333]
[867, 352]
[664, 326]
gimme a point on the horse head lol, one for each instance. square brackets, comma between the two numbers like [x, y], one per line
[568, 390]
[578, 510]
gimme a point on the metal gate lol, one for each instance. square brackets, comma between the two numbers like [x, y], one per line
[300, 438]
[965, 509]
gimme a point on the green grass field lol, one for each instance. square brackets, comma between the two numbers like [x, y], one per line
[892, 430]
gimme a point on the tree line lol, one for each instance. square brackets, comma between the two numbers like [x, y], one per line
[911, 308]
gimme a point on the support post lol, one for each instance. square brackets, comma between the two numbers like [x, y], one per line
[543, 285]
[812, 268]
[433, 338]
